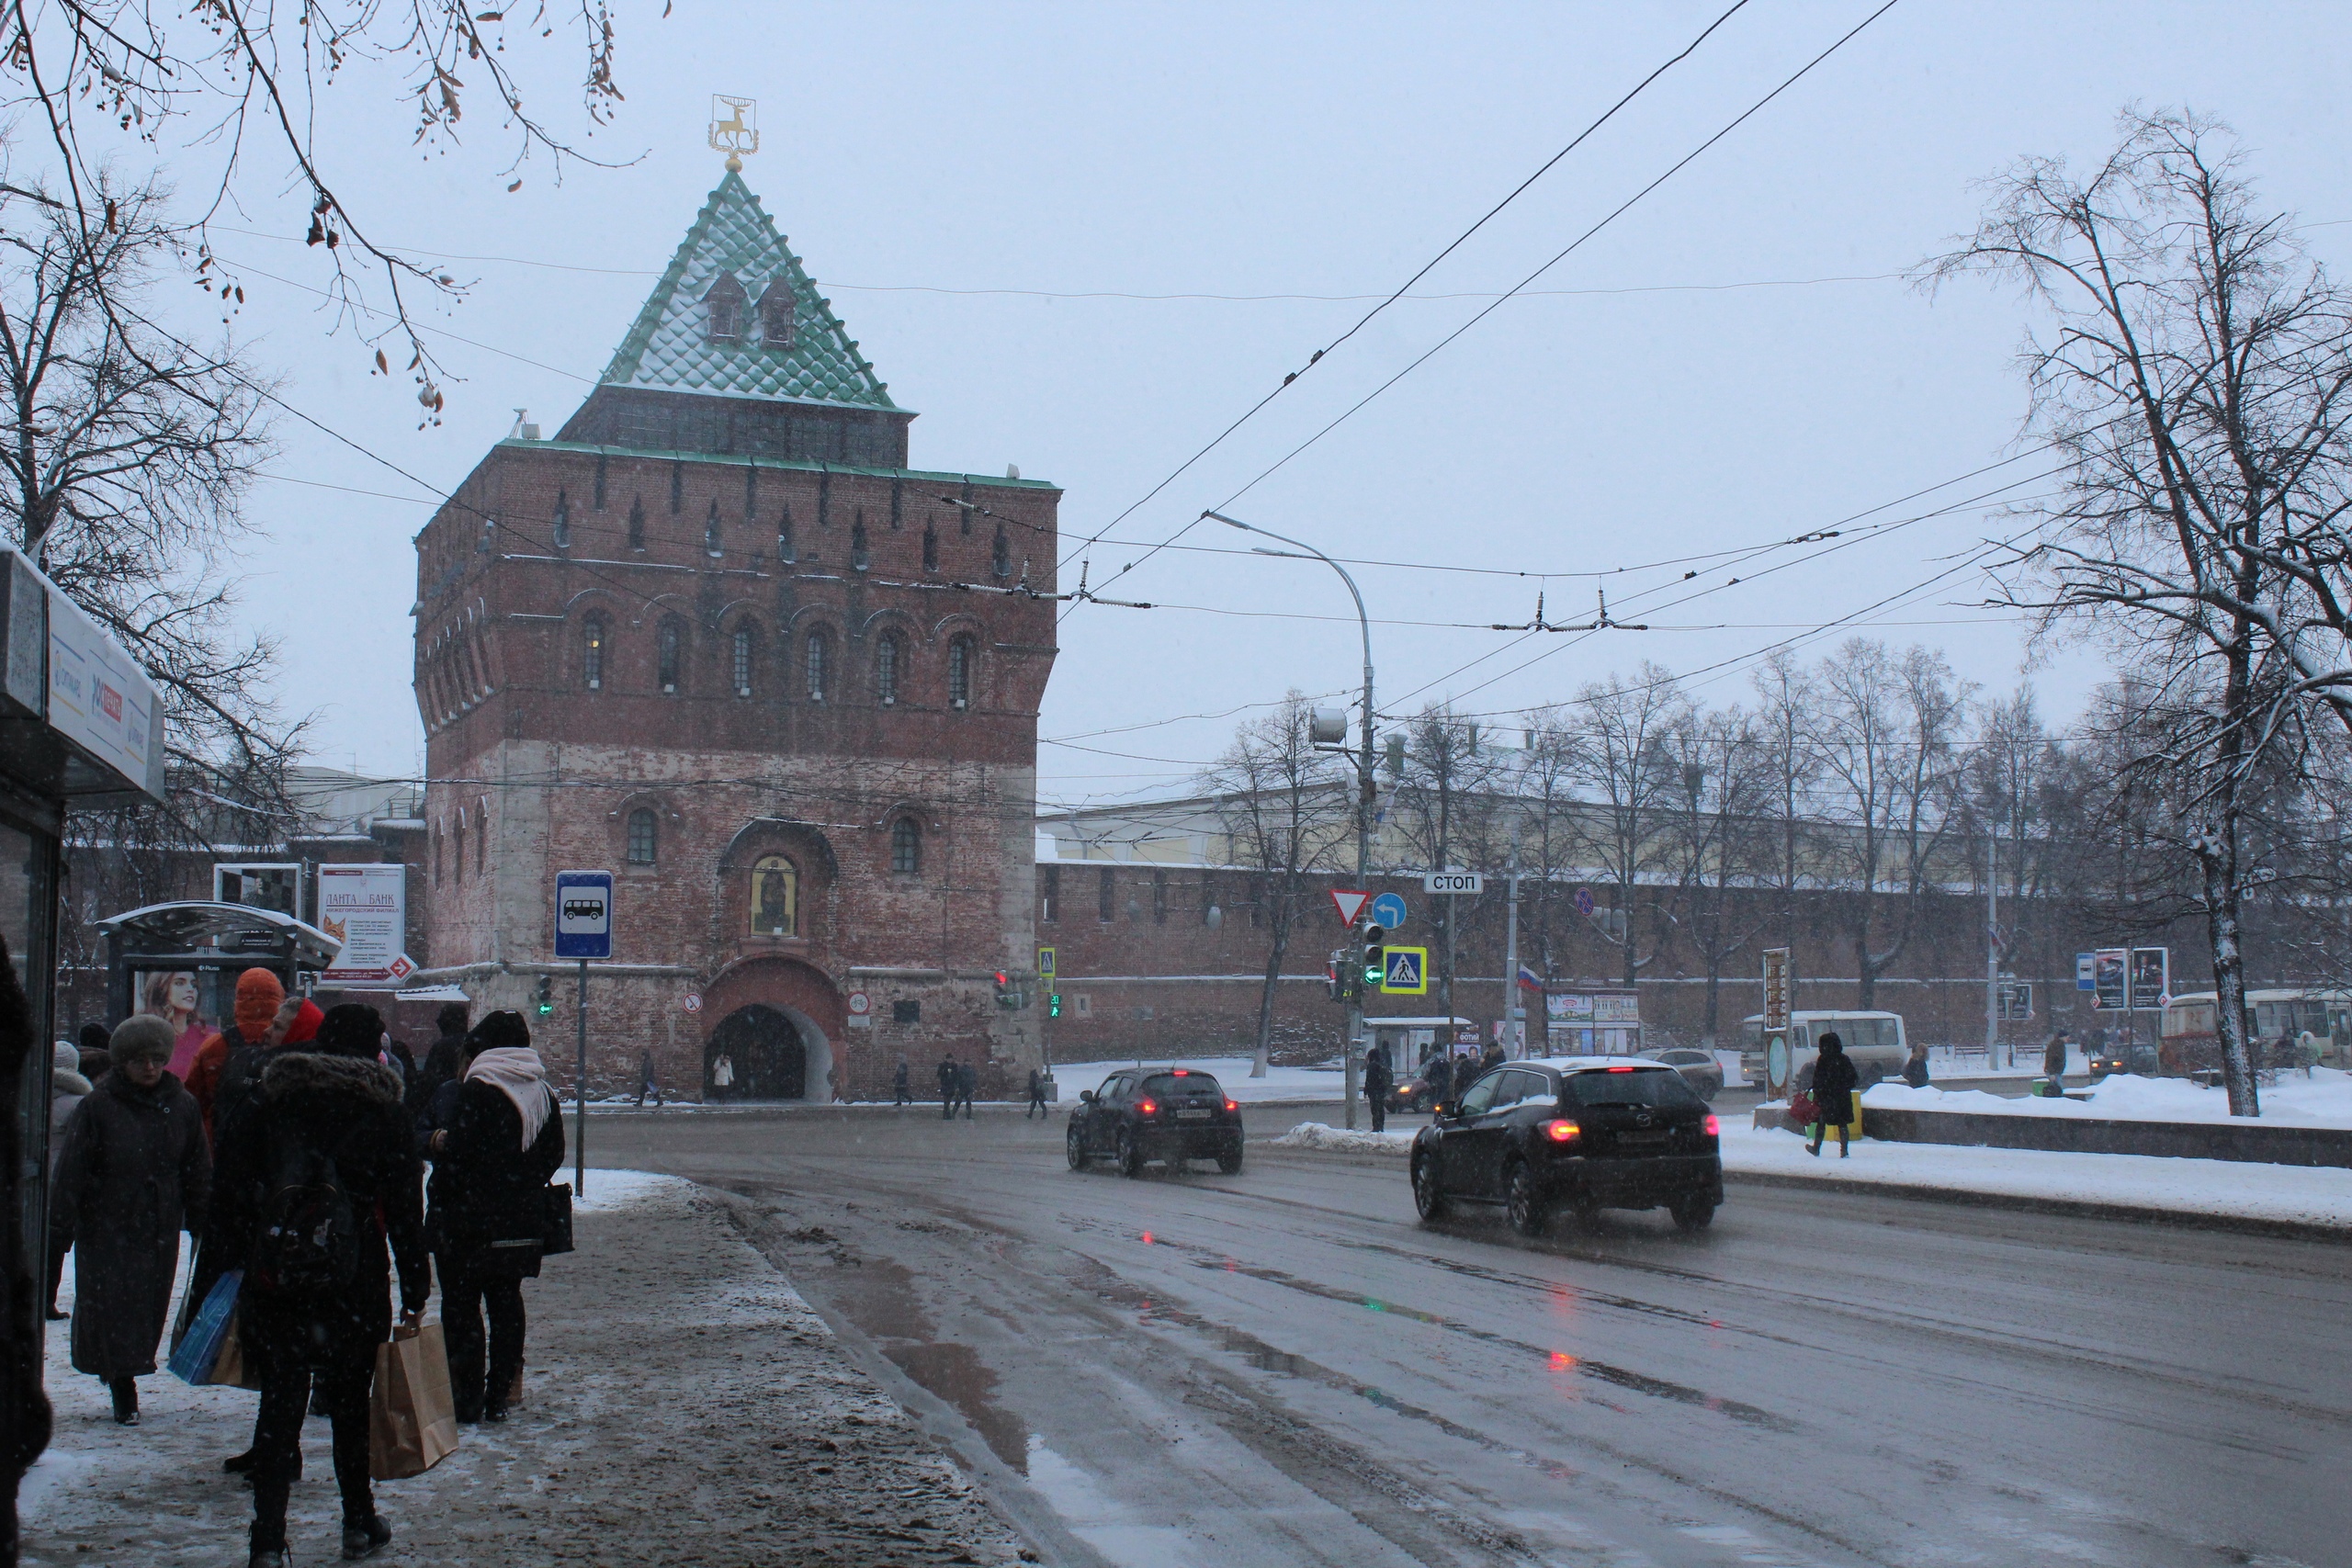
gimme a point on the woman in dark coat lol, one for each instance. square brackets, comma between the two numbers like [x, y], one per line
[135, 1171]
[497, 1142]
[1834, 1082]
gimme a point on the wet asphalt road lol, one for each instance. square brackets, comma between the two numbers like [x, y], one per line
[1284, 1367]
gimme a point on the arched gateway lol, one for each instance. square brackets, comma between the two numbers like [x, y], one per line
[766, 1058]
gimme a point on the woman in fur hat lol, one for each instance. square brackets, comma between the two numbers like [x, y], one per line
[134, 1172]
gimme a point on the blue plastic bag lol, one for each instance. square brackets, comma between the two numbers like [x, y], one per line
[192, 1358]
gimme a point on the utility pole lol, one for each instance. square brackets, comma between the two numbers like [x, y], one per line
[1992, 946]
[1514, 1014]
[1352, 1052]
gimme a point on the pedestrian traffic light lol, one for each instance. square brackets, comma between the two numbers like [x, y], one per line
[1053, 1004]
[547, 995]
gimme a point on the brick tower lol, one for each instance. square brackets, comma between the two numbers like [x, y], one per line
[719, 637]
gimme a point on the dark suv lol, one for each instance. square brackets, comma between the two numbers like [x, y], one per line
[1146, 1113]
[1585, 1133]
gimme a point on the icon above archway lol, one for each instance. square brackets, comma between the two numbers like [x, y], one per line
[775, 897]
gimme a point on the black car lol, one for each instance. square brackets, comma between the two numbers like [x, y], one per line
[1583, 1132]
[1164, 1114]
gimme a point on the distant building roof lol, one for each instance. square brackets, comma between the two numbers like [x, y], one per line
[670, 348]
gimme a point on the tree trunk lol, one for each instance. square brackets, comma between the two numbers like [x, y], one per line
[1258, 1063]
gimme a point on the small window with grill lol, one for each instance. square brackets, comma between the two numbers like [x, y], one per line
[711, 543]
[562, 520]
[906, 846]
[813, 666]
[959, 673]
[637, 522]
[723, 308]
[671, 652]
[930, 548]
[641, 837]
[776, 314]
[742, 669]
[1105, 892]
[592, 652]
[1001, 554]
[886, 669]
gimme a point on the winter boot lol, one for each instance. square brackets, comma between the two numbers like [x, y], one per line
[126, 1400]
[365, 1538]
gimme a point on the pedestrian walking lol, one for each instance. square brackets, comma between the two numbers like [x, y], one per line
[259, 995]
[968, 1083]
[1036, 1095]
[1914, 1068]
[318, 1170]
[295, 1027]
[1377, 1080]
[722, 1077]
[134, 1172]
[1834, 1082]
[901, 1084]
[67, 1090]
[951, 1081]
[445, 1059]
[502, 1143]
[646, 1083]
[2053, 1067]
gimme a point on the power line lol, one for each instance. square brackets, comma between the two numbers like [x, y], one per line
[1318, 356]
[1440, 345]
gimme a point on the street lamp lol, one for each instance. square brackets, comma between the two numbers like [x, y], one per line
[1365, 787]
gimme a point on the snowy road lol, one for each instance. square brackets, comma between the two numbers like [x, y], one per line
[1284, 1367]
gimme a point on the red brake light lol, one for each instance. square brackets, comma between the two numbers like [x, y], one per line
[1562, 1132]
[1146, 1106]
[1714, 1128]
[1181, 1072]
[1233, 1105]
[1621, 1069]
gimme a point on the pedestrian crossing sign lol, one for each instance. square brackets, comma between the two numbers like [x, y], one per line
[1408, 972]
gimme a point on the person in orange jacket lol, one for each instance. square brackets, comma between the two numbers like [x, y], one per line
[259, 996]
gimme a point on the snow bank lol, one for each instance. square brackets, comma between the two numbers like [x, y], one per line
[2301, 1194]
[1316, 1135]
[2323, 1099]
[610, 1189]
[1232, 1074]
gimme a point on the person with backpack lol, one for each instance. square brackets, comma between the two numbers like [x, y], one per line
[295, 1025]
[317, 1171]
[494, 1152]
[259, 996]
[134, 1172]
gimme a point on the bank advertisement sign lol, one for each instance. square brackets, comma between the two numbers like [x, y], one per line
[366, 909]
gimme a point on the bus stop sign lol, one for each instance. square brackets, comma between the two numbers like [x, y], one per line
[583, 914]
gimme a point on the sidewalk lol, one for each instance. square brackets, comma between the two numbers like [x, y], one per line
[683, 1406]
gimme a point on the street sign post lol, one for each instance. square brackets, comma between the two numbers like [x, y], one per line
[1405, 971]
[584, 929]
[2110, 988]
[1388, 911]
[1350, 902]
[1778, 983]
[1452, 881]
[2085, 970]
[1046, 961]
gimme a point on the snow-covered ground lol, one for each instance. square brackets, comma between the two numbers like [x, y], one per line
[2303, 1194]
[1232, 1073]
[1317, 1135]
[2322, 1099]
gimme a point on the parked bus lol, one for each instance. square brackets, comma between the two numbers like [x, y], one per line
[2191, 1042]
[1874, 1041]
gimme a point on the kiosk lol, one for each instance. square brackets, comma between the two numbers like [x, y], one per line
[211, 944]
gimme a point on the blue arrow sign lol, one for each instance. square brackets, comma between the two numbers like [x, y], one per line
[1388, 911]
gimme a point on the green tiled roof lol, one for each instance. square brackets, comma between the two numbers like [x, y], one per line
[668, 350]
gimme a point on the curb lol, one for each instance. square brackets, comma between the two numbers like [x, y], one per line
[2186, 1219]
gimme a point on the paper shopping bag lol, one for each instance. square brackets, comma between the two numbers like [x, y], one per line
[230, 1368]
[412, 1419]
[193, 1357]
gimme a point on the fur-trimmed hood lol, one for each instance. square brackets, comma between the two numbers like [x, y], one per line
[294, 1076]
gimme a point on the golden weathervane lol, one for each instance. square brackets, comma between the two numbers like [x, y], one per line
[732, 130]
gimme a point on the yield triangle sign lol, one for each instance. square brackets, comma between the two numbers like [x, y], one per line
[1350, 902]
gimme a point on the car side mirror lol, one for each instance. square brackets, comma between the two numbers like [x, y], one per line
[1086, 1096]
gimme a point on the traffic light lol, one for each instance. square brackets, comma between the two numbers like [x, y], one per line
[1053, 1004]
[1008, 994]
[1375, 957]
[547, 995]
[1339, 977]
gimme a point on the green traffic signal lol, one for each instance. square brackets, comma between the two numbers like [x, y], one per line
[1375, 965]
[1053, 1004]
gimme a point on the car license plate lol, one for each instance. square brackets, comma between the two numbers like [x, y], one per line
[1191, 1116]
[1641, 1140]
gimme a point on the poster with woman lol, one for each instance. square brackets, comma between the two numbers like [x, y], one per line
[170, 995]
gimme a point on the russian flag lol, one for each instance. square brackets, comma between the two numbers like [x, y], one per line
[1527, 978]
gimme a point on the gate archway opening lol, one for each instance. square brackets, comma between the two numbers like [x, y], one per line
[767, 1056]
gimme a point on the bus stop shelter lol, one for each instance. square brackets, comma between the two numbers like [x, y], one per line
[212, 944]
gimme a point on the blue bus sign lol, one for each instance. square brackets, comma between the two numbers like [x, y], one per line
[583, 914]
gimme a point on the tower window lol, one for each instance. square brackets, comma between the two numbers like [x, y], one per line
[1105, 889]
[457, 847]
[776, 314]
[562, 520]
[723, 308]
[744, 660]
[1158, 897]
[813, 666]
[784, 551]
[906, 846]
[710, 541]
[898, 504]
[438, 836]
[599, 481]
[1049, 894]
[592, 652]
[482, 841]
[858, 559]
[1001, 554]
[641, 837]
[637, 522]
[959, 673]
[930, 548]
[670, 649]
[677, 483]
[886, 668]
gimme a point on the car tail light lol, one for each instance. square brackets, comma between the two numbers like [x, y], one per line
[1233, 1105]
[1563, 1132]
[1714, 1128]
[1621, 1069]
[1147, 1106]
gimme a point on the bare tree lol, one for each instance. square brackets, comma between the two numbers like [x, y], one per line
[1885, 737]
[1722, 779]
[1784, 733]
[2198, 377]
[1284, 807]
[1445, 806]
[211, 83]
[1545, 808]
[1629, 779]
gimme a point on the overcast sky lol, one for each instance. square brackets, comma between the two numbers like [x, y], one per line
[993, 197]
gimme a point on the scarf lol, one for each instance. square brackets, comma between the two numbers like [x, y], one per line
[517, 1072]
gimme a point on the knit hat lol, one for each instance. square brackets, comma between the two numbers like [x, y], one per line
[500, 1029]
[67, 1058]
[140, 1036]
[351, 1029]
[305, 1027]
[258, 994]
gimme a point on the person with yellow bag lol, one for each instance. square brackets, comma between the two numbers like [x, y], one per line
[1834, 1082]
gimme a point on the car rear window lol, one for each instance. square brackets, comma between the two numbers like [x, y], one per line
[1181, 1083]
[1642, 1086]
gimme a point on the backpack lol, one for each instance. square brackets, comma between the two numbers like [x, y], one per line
[307, 1242]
